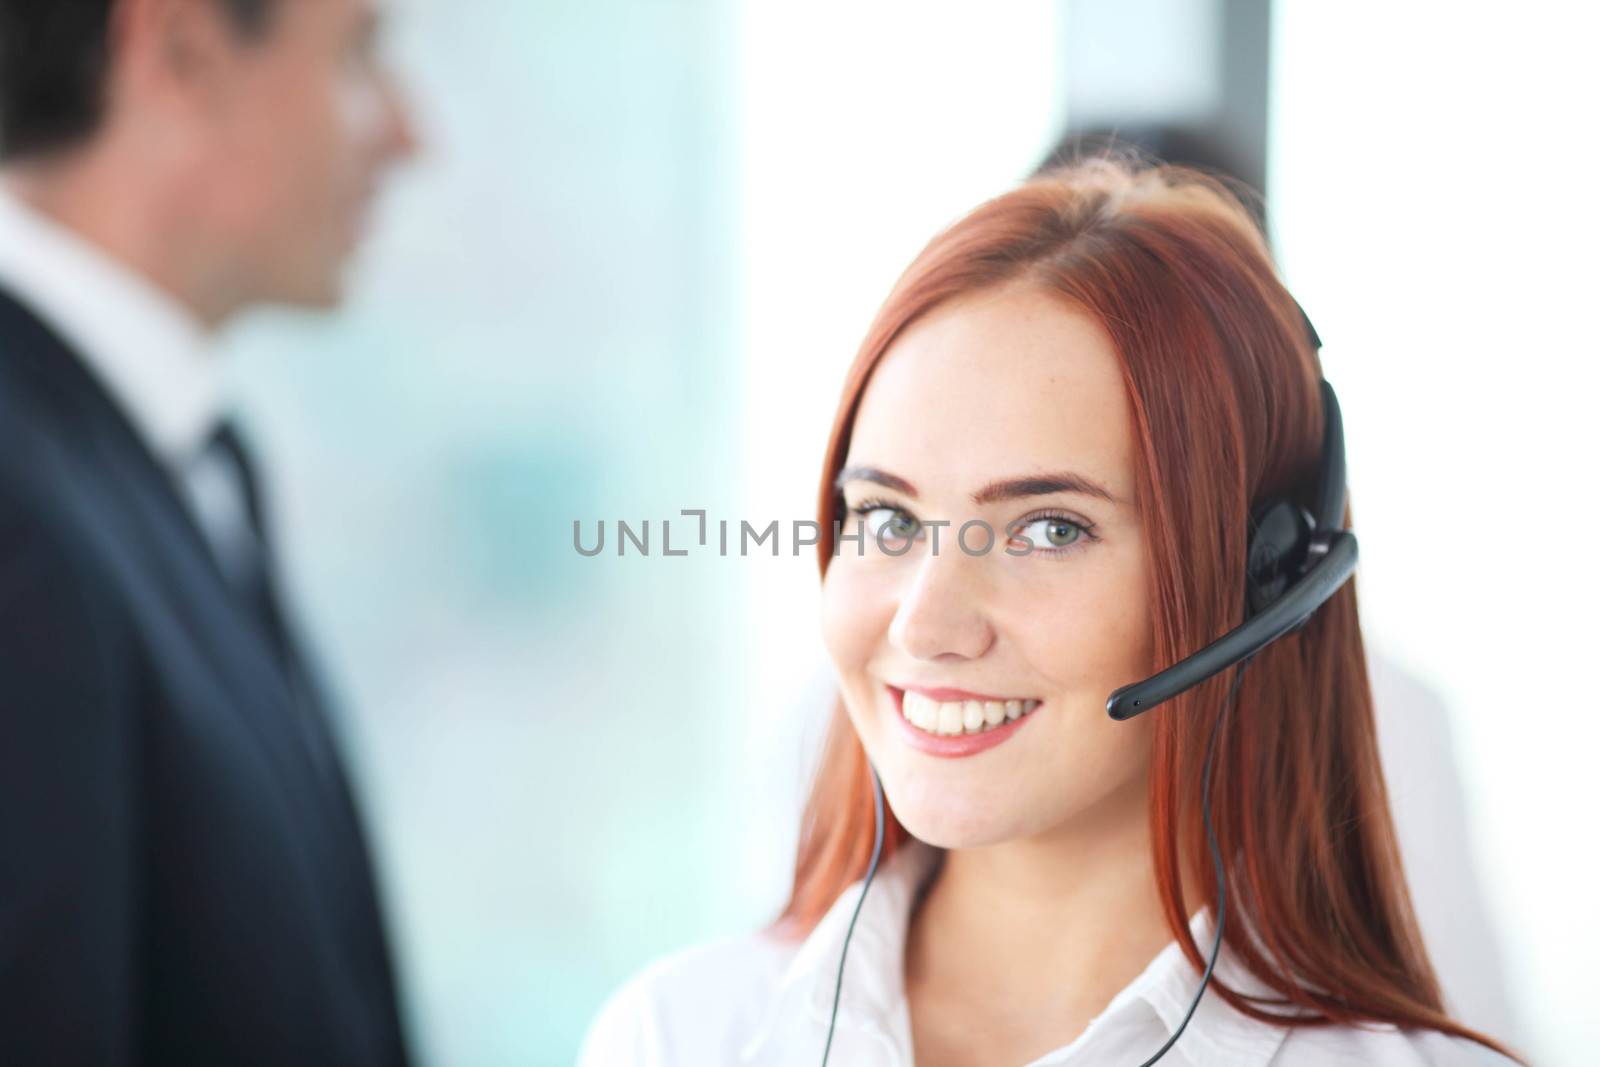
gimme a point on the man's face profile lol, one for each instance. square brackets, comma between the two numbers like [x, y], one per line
[298, 121]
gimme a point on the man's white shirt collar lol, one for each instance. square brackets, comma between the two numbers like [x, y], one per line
[152, 355]
[874, 1024]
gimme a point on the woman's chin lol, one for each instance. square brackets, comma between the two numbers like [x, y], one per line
[944, 836]
[952, 821]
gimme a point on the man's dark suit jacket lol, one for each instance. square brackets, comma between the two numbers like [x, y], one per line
[179, 882]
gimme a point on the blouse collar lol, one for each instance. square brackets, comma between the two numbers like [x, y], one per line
[874, 1024]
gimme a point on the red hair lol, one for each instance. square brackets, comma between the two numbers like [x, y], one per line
[1226, 411]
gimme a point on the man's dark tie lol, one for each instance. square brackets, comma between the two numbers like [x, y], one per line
[257, 587]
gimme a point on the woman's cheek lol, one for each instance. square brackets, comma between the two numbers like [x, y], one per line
[855, 618]
[1093, 631]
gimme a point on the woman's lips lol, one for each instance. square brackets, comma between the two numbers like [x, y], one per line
[986, 711]
[954, 694]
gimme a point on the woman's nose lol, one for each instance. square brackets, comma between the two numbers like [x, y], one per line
[940, 616]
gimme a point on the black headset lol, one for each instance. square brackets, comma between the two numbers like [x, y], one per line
[1295, 562]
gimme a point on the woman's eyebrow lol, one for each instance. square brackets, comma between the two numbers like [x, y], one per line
[1039, 485]
[1006, 489]
[876, 476]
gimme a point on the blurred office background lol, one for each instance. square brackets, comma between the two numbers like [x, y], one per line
[625, 281]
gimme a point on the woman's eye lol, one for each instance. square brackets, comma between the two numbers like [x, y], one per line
[890, 525]
[1053, 532]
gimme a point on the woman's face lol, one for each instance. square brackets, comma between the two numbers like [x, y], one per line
[977, 680]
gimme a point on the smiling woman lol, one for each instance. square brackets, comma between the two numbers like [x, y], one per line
[1103, 366]
[969, 435]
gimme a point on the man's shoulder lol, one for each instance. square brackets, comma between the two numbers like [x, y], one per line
[41, 491]
[696, 1005]
[57, 557]
[35, 429]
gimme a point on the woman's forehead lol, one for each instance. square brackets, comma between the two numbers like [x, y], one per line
[998, 384]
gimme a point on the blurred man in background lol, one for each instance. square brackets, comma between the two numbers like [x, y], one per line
[183, 871]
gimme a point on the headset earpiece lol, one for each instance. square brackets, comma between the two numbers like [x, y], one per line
[1280, 540]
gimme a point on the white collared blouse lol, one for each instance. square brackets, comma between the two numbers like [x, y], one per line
[755, 1000]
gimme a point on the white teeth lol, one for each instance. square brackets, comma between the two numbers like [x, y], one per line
[972, 716]
[949, 718]
[956, 717]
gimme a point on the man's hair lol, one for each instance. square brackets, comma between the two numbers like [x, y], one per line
[53, 60]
